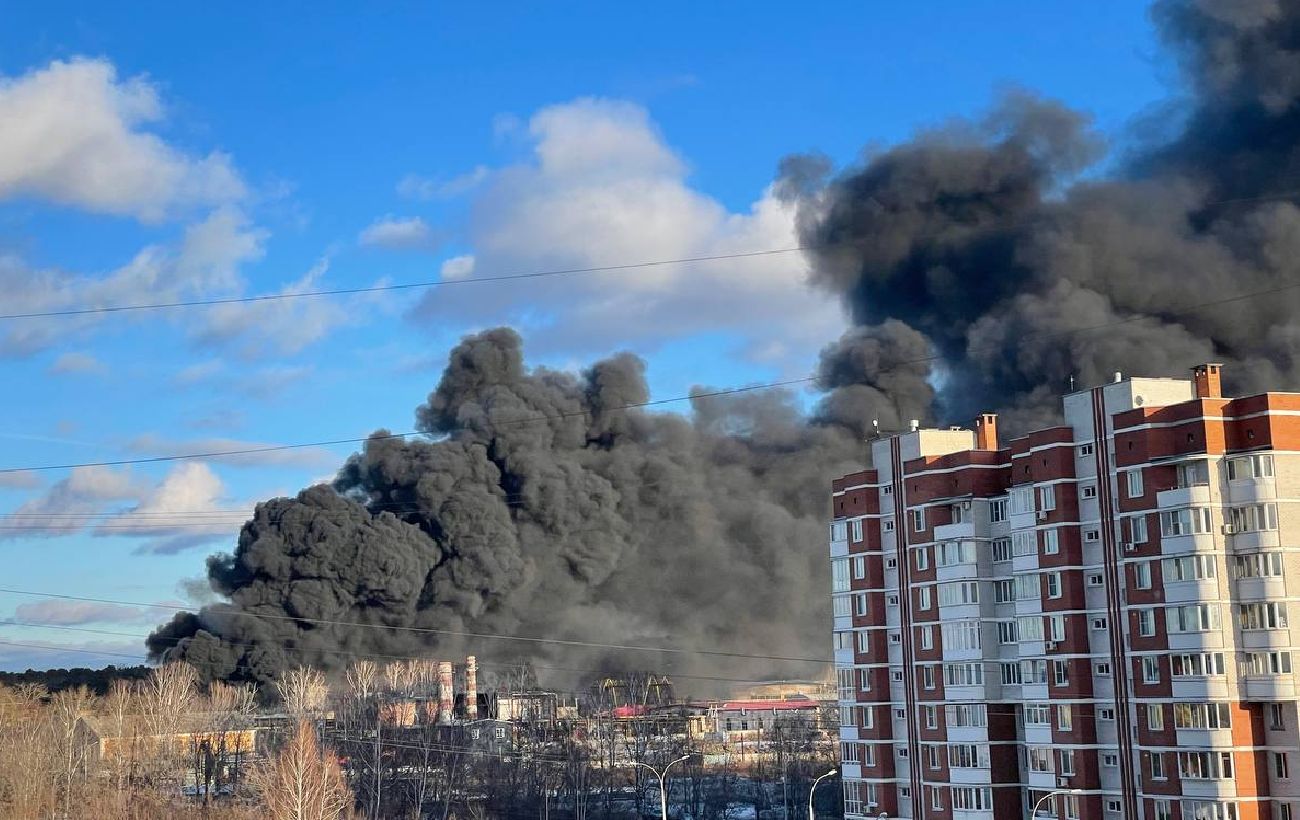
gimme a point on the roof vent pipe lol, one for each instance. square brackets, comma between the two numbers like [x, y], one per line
[1119, 377]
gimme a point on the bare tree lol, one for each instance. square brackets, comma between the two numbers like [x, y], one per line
[303, 691]
[302, 782]
[66, 710]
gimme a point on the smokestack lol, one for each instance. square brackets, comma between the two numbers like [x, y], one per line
[1207, 379]
[986, 432]
[471, 688]
[446, 694]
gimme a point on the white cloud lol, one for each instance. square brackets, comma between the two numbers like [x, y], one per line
[21, 480]
[71, 133]
[399, 234]
[74, 362]
[70, 504]
[76, 613]
[414, 186]
[188, 501]
[458, 267]
[604, 188]
[310, 457]
[204, 261]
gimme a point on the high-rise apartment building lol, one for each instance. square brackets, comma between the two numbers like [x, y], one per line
[1095, 616]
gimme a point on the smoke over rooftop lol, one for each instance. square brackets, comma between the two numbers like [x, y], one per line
[976, 262]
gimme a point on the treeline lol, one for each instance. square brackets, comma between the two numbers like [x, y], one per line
[97, 681]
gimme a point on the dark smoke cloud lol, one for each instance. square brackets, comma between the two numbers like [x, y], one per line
[975, 262]
[980, 238]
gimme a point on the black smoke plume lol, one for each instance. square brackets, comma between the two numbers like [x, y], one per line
[983, 268]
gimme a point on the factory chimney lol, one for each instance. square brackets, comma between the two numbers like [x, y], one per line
[446, 695]
[471, 688]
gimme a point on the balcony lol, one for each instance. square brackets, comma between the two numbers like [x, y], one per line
[1201, 688]
[1042, 780]
[1252, 489]
[1260, 589]
[1209, 788]
[1183, 497]
[1038, 735]
[848, 733]
[1194, 542]
[965, 529]
[1255, 541]
[970, 777]
[1265, 639]
[1268, 687]
[1195, 641]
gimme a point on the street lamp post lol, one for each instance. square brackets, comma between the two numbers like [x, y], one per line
[813, 791]
[1050, 794]
[663, 792]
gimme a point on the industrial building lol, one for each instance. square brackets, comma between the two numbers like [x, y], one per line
[1093, 619]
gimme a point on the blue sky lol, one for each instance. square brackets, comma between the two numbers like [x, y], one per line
[159, 154]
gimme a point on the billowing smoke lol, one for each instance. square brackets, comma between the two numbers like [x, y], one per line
[983, 267]
[983, 239]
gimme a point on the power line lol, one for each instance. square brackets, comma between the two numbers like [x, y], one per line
[429, 630]
[432, 283]
[509, 277]
[633, 405]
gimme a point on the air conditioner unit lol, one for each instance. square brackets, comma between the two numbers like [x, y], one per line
[1049, 645]
[1042, 515]
[1228, 529]
[965, 505]
[1129, 546]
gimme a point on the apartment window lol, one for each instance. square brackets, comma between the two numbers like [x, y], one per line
[839, 531]
[1089, 491]
[1029, 627]
[1137, 528]
[966, 715]
[1193, 618]
[1023, 542]
[1051, 542]
[866, 717]
[855, 529]
[868, 755]
[952, 553]
[896, 675]
[936, 798]
[923, 597]
[891, 599]
[1155, 717]
[1150, 669]
[1281, 770]
[931, 717]
[900, 714]
[922, 558]
[918, 520]
[1053, 585]
[1047, 497]
[1040, 759]
[1060, 673]
[1276, 717]
[887, 489]
[961, 635]
[1091, 536]
[1056, 627]
[1164, 810]
[998, 510]
[1187, 521]
[972, 798]
[1263, 616]
[1283, 811]
[895, 638]
[1202, 716]
[860, 601]
[1064, 717]
[1106, 713]
[1006, 632]
[927, 636]
[1142, 575]
[1037, 714]
[904, 792]
[1028, 587]
[1001, 549]
[842, 606]
[1065, 761]
[1100, 623]
[1112, 806]
[1085, 450]
[1011, 674]
[864, 640]
[1267, 663]
[963, 674]
[887, 525]
[1196, 664]
[849, 753]
[1257, 565]
[1004, 592]
[1254, 517]
[1102, 670]
[927, 676]
[1158, 766]
[1188, 568]
[1134, 479]
[1095, 579]
[844, 683]
[864, 680]
[1192, 474]
[1109, 759]
[1205, 765]
[1034, 671]
[1146, 622]
[891, 563]
[959, 593]
[840, 575]
[1259, 466]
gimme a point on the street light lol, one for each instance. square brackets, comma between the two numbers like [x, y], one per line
[813, 790]
[663, 793]
[1052, 793]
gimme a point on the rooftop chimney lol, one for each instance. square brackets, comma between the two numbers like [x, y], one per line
[446, 696]
[1119, 377]
[986, 432]
[1206, 377]
[471, 688]
[915, 425]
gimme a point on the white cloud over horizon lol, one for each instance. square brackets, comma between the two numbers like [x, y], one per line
[603, 187]
[399, 234]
